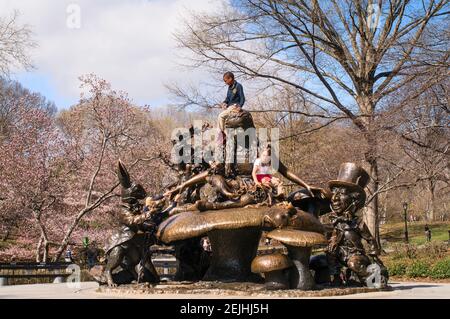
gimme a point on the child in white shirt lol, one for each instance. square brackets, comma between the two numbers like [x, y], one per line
[263, 173]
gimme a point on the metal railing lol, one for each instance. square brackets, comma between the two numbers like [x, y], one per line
[12, 273]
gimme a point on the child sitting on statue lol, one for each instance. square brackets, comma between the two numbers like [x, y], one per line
[263, 173]
[233, 102]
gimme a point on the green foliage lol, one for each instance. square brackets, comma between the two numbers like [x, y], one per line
[432, 250]
[441, 269]
[410, 260]
[402, 250]
[397, 268]
[418, 268]
[394, 232]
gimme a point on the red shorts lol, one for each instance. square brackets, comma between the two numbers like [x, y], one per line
[260, 177]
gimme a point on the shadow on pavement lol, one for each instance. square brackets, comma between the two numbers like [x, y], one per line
[408, 287]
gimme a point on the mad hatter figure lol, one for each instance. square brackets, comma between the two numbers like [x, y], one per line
[345, 247]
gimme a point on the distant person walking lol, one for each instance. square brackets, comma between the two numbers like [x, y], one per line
[92, 255]
[427, 233]
[68, 258]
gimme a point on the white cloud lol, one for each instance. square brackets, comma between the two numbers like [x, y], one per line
[129, 43]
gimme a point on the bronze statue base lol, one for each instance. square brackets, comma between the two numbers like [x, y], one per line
[233, 252]
[235, 289]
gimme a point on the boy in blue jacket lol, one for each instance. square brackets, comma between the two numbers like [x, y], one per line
[233, 102]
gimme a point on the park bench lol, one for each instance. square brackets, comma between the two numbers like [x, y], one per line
[23, 273]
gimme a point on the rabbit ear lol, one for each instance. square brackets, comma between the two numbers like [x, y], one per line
[124, 177]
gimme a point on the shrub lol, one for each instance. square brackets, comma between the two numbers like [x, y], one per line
[402, 250]
[441, 269]
[418, 268]
[397, 268]
[433, 250]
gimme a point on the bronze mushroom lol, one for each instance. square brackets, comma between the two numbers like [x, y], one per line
[299, 244]
[275, 269]
[234, 235]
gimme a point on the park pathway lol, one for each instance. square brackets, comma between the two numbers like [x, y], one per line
[87, 290]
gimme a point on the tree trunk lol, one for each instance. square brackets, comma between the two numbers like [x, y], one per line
[371, 216]
[80, 215]
[38, 250]
[43, 243]
[431, 211]
[69, 232]
[43, 240]
[371, 210]
[45, 254]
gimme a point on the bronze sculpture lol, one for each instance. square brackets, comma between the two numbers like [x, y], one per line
[345, 247]
[128, 248]
[299, 245]
[234, 235]
[222, 202]
[275, 268]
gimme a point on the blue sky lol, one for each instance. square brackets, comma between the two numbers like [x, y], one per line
[42, 83]
[129, 43]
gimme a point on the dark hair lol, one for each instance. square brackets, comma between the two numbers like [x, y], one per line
[228, 75]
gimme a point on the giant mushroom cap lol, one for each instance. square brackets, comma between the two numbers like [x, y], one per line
[272, 262]
[234, 235]
[305, 221]
[192, 224]
[297, 238]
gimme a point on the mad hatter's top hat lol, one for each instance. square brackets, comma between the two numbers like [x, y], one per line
[351, 176]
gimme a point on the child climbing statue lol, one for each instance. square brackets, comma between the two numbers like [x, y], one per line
[233, 102]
